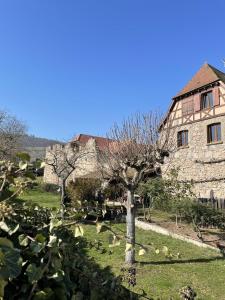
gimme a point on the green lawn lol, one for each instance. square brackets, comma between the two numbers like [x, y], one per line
[202, 269]
[41, 197]
[160, 278]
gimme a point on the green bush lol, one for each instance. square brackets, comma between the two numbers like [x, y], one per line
[50, 188]
[114, 191]
[41, 258]
[155, 194]
[203, 215]
[83, 189]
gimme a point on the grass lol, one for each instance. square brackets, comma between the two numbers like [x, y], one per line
[40, 197]
[160, 278]
[157, 214]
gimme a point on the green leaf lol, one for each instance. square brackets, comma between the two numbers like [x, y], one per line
[23, 240]
[36, 247]
[40, 238]
[3, 283]
[11, 263]
[4, 242]
[33, 273]
[79, 231]
[45, 294]
[56, 263]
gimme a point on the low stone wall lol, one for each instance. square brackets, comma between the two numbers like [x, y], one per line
[164, 231]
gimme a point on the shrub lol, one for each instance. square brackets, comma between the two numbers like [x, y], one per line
[50, 188]
[155, 194]
[202, 215]
[83, 189]
[48, 262]
[114, 191]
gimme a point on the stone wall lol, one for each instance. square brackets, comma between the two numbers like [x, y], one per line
[194, 160]
[87, 164]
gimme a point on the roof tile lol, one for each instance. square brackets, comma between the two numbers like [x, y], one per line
[101, 142]
[207, 74]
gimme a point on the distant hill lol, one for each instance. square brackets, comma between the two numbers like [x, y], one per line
[33, 141]
[36, 146]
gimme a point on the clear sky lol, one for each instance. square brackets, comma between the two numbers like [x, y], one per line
[77, 66]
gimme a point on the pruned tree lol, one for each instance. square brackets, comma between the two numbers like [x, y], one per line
[64, 160]
[136, 149]
[11, 132]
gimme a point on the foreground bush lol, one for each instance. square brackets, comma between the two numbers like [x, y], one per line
[41, 258]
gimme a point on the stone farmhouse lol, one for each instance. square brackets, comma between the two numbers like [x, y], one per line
[197, 119]
[88, 165]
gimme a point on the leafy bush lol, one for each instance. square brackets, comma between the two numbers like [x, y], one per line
[42, 259]
[155, 194]
[114, 191]
[83, 189]
[202, 215]
[50, 187]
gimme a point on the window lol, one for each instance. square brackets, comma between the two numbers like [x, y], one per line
[206, 100]
[187, 107]
[214, 133]
[182, 138]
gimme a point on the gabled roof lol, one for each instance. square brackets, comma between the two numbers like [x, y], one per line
[206, 74]
[101, 142]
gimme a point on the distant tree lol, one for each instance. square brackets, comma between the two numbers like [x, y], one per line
[11, 131]
[64, 160]
[135, 150]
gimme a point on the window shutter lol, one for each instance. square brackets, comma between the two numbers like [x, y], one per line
[197, 101]
[216, 96]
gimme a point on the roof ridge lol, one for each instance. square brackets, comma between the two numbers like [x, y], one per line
[205, 75]
[216, 71]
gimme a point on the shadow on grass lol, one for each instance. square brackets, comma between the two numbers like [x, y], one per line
[83, 278]
[180, 261]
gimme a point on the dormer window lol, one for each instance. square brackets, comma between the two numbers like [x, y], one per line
[207, 100]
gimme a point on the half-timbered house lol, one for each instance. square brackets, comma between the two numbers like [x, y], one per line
[197, 119]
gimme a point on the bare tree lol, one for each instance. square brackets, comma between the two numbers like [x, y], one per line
[135, 150]
[64, 160]
[11, 131]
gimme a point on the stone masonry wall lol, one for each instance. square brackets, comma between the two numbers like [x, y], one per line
[87, 164]
[191, 160]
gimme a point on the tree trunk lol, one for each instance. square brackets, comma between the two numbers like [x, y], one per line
[63, 194]
[130, 254]
[144, 209]
[176, 220]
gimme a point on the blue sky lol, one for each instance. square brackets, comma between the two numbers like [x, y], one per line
[69, 66]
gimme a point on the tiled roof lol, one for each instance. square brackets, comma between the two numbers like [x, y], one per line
[101, 142]
[207, 74]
